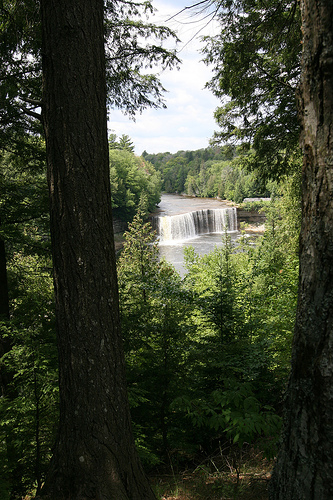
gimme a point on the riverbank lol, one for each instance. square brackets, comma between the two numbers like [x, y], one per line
[250, 222]
[254, 228]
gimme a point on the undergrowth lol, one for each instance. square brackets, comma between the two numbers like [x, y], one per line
[222, 476]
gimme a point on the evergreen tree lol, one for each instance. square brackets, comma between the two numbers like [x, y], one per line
[154, 311]
[94, 455]
[126, 143]
[256, 63]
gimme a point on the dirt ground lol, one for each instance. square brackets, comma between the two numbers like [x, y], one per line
[249, 482]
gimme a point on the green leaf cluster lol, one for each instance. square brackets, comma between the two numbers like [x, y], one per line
[236, 411]
[29, 405]
[24, 199]
[131, 178]
[135, 54]
[255, 60]
[154, 310]
[133, 47]
[207, 355]
[28, 356]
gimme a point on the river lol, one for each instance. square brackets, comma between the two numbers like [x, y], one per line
[198, 222]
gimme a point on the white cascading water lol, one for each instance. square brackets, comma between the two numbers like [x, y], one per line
[189, 225]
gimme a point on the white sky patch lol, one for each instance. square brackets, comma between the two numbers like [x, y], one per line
[188, 122]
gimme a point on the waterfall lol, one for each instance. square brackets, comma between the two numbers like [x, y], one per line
[189, 225]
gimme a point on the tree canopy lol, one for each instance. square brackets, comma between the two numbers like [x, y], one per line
[132, 177]
[130, 57]
[211, 172]
[255, 58]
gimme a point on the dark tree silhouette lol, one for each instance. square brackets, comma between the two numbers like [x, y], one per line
[94, 456]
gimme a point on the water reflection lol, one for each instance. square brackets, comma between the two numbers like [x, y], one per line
[202, 245]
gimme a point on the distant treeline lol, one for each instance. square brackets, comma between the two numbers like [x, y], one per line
[210, 172]
[223, 172]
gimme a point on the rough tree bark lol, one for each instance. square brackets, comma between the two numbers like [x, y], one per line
[4, 299]
[304, 468]
[5, 344]
[94, 457]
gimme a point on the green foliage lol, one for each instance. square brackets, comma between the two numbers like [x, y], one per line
[215, 346]
[255, 206]
[154, 310]
[175, 168]
[211, 172]
[216, 284]
[245, 304]
[20, 74]
[212, 349]
[256, 63]
[28, 363]
[235, 411]
[133, 46]
[131, 177]
[24, 202]
[29, 408]
[124, 143]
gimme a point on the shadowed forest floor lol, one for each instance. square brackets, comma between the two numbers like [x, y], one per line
[249, 483]
[214, 487]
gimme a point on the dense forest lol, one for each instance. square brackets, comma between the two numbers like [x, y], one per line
[222, 172]
[207, 355]
[133, 178]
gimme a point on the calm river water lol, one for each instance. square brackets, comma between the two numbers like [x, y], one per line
[172, 251]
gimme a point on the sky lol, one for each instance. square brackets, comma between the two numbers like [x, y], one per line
[188, 122]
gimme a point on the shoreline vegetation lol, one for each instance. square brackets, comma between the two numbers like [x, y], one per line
[246, 227]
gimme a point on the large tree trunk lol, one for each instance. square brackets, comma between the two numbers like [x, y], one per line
[5, 344]
[4, 299]
[94, 456]
[304, 468]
